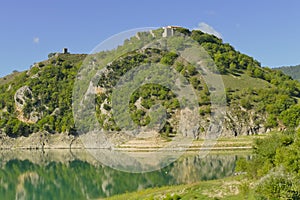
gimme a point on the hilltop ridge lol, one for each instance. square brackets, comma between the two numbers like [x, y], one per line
[292, 71]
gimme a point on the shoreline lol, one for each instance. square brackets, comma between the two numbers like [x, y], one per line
[46, 156]
[62, 141]
[145, 149]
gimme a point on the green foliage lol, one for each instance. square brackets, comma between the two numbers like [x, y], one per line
[169, 58]
[271, 121]
[246, 103]
[191, 69]
[201, 37]
[182, 30]
[172, 197]
[275, 165]
[179, 66]
[50, 55]
[177, 43]
[225, 56]
[152, 95]
[15, 128]
[258, 73]
[51, 95]
[245, 189]
[278, 185]
[241, 165]
[291, 116]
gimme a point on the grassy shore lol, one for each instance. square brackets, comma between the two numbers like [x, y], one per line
[231, 188]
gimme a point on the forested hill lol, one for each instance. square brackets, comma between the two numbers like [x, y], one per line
[293, 71]
[258, 99]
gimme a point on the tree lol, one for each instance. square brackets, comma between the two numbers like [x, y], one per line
[271, 121]
[169, 58]
[50, 55]
[246, 103]
[291, 116]
[257, 73]
[191, 70]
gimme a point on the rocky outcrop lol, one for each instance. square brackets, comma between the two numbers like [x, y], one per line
[236, 121]
[239, 121]
[22, 97]
[42, 140]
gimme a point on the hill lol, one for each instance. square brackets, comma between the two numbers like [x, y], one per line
[8, 78]
[258, 99]
[293, 71]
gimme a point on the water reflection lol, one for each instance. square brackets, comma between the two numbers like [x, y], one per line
[64, 174]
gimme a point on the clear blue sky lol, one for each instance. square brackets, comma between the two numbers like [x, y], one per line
[267, 30]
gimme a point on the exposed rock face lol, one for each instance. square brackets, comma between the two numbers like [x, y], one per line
[42, 140]
[23, 96]
[242, 122]
[236, 121]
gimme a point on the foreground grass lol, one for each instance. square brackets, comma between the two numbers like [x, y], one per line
[231, 188]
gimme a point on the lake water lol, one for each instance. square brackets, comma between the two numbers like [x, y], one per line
[65, 174]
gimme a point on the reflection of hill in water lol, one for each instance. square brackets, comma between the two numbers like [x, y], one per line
[190, 169]
[66, 175]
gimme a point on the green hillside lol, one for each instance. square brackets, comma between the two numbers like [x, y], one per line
[292, 71]
[258, 99]
[50, 85]
[8, 78]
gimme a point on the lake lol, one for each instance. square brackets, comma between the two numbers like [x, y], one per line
[65, 174]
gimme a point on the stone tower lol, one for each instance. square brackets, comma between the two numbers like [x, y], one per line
[169, 31]
[65, 51]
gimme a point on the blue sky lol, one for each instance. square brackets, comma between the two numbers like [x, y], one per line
[29, 30]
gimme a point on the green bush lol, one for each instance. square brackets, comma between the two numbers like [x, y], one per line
[275, 166]
[291, 116]
[278, 185]
[169, 58]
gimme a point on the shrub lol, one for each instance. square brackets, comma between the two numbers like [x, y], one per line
[169, 58]
[278, 185]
